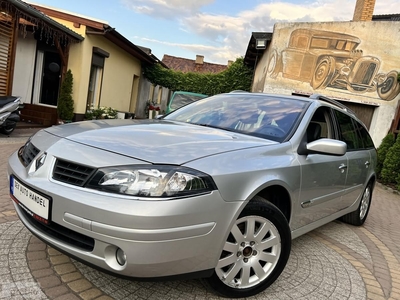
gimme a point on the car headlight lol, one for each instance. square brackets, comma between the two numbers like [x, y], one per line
[151, 181]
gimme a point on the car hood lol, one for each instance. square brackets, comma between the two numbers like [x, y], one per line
[156, 141]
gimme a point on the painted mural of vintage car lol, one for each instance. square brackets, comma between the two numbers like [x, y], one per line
[331, 59]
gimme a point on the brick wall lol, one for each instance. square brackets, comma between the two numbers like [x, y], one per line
[364, 10]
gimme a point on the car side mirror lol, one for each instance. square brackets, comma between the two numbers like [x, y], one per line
[323, 146]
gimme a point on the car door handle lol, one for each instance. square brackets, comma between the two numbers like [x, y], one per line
[342, 167]
[367, 163]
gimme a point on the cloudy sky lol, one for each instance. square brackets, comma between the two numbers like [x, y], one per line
[218, 29]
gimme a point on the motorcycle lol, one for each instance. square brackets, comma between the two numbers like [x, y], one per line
[9, 113]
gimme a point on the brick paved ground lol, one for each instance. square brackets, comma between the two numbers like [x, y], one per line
[336, 261]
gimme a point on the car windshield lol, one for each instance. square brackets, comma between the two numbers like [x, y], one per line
[180, 100]
[263, 116]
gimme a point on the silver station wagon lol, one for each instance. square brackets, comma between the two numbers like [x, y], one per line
[217, 189]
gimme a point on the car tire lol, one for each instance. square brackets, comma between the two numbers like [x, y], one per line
[255, 252]
[358, 217]
[7, 130]
[323, 73]
[390, 88]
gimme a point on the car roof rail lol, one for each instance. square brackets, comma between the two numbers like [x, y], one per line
[331, 101]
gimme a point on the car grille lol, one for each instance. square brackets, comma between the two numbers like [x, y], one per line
[71, 173]
[365, 73]
[63, 234]
[28, 153]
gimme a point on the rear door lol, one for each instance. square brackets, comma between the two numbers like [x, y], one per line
[358, 157]
[359, 145]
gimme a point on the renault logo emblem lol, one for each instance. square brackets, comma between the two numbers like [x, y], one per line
[40, 161]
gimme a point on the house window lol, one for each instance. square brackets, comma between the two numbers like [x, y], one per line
[95, 80]
[96, 77]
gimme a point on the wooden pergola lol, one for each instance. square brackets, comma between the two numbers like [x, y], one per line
[18, 17]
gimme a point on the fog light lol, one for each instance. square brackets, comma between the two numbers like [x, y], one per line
[120, 256]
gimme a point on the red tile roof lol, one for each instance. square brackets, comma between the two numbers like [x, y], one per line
[189, 65]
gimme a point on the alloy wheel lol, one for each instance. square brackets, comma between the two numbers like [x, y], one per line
[250, 253]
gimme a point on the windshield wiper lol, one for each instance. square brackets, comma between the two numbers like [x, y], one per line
[216, 127]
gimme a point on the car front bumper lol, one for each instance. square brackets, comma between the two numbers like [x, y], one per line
[159, 238]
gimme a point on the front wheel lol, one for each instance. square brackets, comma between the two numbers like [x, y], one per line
[255, 252]
[274, 64]
[390, 88]
[359, 216]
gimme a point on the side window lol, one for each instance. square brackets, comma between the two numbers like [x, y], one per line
[348, 132]
[320, 125]
[366, 140]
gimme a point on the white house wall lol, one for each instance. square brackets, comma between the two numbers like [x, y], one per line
[24, 68]
[291, 67]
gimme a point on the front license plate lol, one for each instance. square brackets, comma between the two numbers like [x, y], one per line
[35, 204]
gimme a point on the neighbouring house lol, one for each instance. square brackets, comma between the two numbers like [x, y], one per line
[25, 33]
[348, 61]
[197, 65]
[185, 65]
[106, 66]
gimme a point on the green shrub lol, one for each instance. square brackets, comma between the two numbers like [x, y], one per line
[65, 103]
[384, 147]
[236, 77]
[391, 164]
[101, 113]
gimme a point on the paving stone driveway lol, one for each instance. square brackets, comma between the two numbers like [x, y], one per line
[336, 261]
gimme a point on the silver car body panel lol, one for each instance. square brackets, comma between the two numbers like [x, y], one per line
[163, 237]
[170, 142]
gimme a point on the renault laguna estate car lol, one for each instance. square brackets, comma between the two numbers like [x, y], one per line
[217, 189]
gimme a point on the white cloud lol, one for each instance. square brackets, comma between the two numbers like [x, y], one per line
[165, 9]
[230, 34]
[383, 7]
[218, 54]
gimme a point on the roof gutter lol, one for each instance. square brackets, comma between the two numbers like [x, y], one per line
[114, 36]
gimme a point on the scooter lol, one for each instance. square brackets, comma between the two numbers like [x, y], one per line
[9, 113]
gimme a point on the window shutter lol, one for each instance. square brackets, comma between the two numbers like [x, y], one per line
[6, 42]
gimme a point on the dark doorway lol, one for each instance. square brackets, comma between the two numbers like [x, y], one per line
[51, 78]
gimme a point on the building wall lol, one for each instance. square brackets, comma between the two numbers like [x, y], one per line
[118, 72]
[24, 67]
[79, 62]
[316, 61]
[149, 93]
[260, 73]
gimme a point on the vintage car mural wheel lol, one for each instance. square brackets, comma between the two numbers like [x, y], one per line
[390, 88]
[359, 216]
[274, 64]
[255, 252]
[323, 73]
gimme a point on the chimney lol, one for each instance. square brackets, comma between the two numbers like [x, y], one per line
[230, 62]
[364, 10]
[199, 59]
